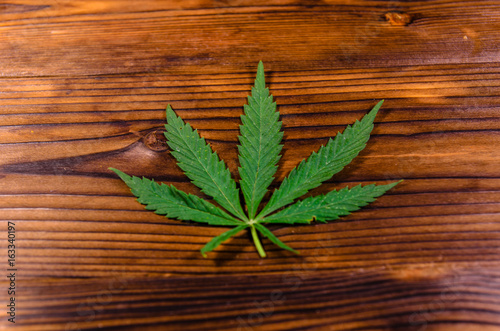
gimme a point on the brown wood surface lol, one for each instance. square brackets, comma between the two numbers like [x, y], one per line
[84, 85]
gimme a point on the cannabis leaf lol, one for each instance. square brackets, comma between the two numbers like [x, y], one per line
[259, 151]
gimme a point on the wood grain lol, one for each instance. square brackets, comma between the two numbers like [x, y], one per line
[412, 299]
[84, 87]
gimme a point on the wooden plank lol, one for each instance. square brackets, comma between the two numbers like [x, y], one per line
[84, 87]
[411, 298]
[110, 37]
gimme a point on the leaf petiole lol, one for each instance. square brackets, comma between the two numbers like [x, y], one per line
[257, 242]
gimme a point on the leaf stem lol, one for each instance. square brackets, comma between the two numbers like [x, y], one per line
[257, 242]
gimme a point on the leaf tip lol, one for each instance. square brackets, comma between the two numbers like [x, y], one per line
[377, 107]
[260, 78]
[389, 186]
[169, 112]
[396, 183]
[119, 173]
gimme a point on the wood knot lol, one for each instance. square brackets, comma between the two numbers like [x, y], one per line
[155, 140]
[398, 18]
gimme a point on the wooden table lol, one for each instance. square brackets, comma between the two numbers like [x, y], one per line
[84, 86]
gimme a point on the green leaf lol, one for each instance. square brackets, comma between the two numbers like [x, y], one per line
[201, 164]
[259, 144]
[262, 229]
[259, 151]
[169, 201]
[330, 206]
[216, 241]
[321, 166]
